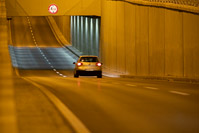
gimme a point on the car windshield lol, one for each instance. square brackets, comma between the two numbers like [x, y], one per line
[89, 59]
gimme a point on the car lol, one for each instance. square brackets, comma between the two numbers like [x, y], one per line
[88, 65]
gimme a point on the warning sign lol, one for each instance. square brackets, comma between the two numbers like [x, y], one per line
[53, 9]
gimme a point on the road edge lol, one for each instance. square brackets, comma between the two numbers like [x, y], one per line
[77, 125]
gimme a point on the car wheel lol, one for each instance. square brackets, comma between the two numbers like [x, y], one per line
[99, 76]
[76, 76]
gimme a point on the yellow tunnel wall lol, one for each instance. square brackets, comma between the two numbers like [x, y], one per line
[149, 41]
[63, 22]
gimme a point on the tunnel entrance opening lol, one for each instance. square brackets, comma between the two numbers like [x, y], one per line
[85, 34]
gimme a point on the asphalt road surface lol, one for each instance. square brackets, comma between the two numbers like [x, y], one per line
[118, 105]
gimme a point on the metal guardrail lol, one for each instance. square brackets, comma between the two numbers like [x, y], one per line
[194, 3]
[191, 6]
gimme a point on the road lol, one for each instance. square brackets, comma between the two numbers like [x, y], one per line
[114, 105]
[109, 105]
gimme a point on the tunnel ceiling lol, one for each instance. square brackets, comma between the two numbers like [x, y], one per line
[65, 7]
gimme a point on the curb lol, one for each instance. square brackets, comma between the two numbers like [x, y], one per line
[73, 50]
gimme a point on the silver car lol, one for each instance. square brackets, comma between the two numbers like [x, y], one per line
[88, 66]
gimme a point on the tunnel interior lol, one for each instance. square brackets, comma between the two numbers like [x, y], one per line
[33, 45]
[133, 39]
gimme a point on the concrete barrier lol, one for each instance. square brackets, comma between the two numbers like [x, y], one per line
[141, 40]
[8, 118]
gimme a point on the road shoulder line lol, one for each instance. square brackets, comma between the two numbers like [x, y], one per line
[151, 88]
[180, 93]
[73, 120]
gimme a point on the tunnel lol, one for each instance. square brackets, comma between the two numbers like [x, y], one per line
[130, 38]
[30, 49]
[34, 46]
[146, 53]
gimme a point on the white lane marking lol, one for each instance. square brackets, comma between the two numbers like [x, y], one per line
[33, 37]
[78, 126]
[130, 85]
[151, 88]
[180, 93]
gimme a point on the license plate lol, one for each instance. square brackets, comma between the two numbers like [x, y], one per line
[89, 70]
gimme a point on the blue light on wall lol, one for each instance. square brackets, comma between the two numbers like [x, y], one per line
[85, 34]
